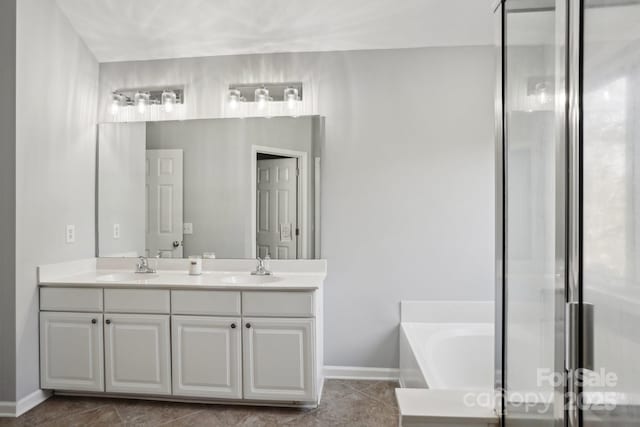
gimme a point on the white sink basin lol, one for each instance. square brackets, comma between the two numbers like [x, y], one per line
[127, 277]
[247, 279]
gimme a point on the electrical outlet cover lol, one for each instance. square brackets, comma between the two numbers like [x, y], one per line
[187, 228]
[71, 234]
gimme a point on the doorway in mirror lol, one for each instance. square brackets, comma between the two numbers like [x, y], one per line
[277, 229]
[164, 208]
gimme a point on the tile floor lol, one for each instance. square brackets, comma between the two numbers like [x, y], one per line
[344, 403]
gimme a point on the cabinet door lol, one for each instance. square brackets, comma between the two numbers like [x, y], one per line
[71, 351]
[279, 359]
[207, 356]
[137, 353]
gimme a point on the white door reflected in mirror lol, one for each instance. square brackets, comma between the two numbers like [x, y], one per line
[277, 201]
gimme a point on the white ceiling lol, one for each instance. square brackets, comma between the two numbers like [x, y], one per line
[123, 30]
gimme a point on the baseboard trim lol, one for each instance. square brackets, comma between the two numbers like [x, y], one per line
[360, 373]
[29, 402]
[15, 409]
[7, 409]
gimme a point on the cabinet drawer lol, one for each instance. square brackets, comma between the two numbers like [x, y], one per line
[274, 303]
[137, 301]
[71, 299]
[214, 303]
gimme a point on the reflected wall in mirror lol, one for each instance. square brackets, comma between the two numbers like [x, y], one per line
[225, 188]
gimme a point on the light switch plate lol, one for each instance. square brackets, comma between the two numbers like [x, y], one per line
[187, 228]
[71, 234]
[116, 231]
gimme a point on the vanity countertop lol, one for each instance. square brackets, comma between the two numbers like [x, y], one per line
[182, 280]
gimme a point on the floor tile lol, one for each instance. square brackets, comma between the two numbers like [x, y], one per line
[344, 403]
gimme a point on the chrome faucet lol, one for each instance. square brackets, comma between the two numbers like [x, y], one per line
[143, 266]
[261, 269]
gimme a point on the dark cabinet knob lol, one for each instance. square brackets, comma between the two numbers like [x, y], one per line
[233, 326]
[108, 321]
[248, 325]
[94, 321]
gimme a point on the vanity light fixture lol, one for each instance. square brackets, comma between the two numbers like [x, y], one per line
[163, 99]
[169, 98]
[264, 99]
[141, 100]
[261, 97]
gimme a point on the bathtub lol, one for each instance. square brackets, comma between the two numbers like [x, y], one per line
[447, 355]
[447, 345]
[446, 364]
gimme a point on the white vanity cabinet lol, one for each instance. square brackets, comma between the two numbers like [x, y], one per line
[206, 344]
[207, 356]
[137, 353]
[137, 341]
[279, 359]
[71, 351]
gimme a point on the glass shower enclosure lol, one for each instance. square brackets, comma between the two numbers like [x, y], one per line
[568, 213]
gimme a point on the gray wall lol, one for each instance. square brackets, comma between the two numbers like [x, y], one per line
[7, 200]
[407, 178]
[57, 94]
[121, 188]
[217, 174]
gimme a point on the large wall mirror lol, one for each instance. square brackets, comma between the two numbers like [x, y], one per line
[223, 188]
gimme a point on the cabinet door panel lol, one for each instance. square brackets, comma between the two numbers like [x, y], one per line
[71, 351]
[279, 359]
[207, 356]
[137, 354]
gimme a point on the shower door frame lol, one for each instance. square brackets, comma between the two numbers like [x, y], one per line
[500, 214]
[567, 340]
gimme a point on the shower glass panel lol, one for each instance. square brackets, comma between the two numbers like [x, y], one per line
[611, 208]
[534, 64]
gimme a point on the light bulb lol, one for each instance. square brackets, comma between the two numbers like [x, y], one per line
[543, 97]
[291, 96]
[168, 100]
[116, 101]
[261, 97]
[141, 99]
[235, 97]
[114, 107]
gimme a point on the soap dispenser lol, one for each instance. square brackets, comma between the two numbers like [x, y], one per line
[267, 262]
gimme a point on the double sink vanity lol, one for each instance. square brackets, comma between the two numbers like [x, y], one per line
[224, 335]
[195, 196]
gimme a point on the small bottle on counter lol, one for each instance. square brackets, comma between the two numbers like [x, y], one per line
[195, 265]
